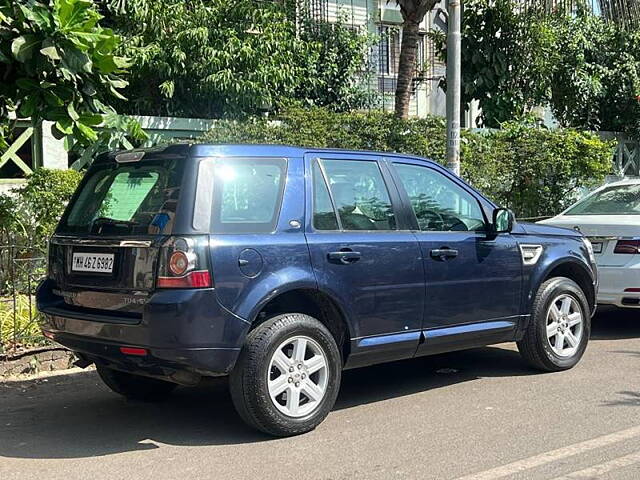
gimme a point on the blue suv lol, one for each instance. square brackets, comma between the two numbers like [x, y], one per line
[281, 266]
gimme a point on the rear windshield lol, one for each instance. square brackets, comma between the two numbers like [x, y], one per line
[617, 200]
[242, 194]
[126, 199]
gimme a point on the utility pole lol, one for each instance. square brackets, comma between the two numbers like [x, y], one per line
[454, 67]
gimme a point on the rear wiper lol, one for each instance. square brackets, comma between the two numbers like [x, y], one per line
[113, 221]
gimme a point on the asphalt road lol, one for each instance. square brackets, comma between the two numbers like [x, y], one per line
[480, 414]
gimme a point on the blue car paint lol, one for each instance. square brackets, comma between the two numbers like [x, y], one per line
[397, 301]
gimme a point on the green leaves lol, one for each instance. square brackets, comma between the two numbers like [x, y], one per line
[229, 58]
[596, 83]
[33, 210]
[73, 115]
[63, 66]
[38, 14]
[49, 49]
[23, 47]
[87, 132]
[28, 106]
[584, 67]
[64, 126]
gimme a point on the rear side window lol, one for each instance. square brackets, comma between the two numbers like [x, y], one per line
[360, 195]
[324, 216]
[132, 199]
[246, 194]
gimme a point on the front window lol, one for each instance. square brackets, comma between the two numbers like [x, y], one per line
[615, 200]
[438, 203]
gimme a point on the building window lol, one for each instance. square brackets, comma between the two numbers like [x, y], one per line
[421, 54]
[389, 50]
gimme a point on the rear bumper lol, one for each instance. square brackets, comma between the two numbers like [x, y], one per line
[184, 366]
[613, 283]
[182, 330]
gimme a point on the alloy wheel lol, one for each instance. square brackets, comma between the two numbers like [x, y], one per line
[565, 325]
[297, 377]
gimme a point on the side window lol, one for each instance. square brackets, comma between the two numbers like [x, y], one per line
[360, 195]
[438, 203]
[247, 194]
[324, 217]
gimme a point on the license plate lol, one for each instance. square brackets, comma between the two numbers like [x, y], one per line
[597, 247]
[92, 262]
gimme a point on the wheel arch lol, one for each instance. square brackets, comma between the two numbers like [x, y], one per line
[573, 270]
[314, 302]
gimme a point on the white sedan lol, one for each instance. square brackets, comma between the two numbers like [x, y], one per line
[610, 218]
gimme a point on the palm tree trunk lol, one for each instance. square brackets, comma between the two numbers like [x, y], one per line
[407, 66]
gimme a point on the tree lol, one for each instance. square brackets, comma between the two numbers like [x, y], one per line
[336, 66]
[596, 82]
[586, 68]
[57, 63]
[507, 57]
[229, 58]
[413, 13]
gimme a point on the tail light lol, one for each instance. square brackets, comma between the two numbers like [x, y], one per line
[628, 247]
[183, 264]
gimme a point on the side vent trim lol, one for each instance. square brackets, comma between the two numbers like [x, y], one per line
[530, 253]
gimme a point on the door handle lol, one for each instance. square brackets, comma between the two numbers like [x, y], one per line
[443, 253]
[344, 256]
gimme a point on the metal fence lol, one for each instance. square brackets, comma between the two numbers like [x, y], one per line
[21, 268]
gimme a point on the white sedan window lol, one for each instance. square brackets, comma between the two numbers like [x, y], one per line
[615, 200]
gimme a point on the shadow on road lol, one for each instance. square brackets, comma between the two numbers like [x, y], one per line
[75, 416]
[611, 323]
[391, 380]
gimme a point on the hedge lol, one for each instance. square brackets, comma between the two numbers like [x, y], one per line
[531, 169]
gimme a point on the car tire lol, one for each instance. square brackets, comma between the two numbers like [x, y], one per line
[559, 328]
[135, 387]
[287, 377]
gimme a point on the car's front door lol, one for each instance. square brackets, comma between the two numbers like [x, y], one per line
[473, 279]
[364, 254]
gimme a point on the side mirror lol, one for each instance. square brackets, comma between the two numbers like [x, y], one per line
[503, 220]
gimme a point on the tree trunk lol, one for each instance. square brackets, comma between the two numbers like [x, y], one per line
[407, 66]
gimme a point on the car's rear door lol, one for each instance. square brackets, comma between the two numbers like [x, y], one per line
[473, 280]
[364, 255]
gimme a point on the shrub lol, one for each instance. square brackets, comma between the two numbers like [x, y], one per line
[322, 128]
[531, 169]
[29, 216]
[536, 171]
